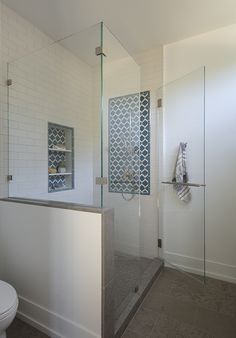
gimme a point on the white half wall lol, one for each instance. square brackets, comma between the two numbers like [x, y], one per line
[217, 51]
[53, 259]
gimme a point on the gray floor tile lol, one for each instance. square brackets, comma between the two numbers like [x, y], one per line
[215, 295]
[131, 334]
[219, 286]
[167, 327]
[162, 326]
[183, 307]
[220, 326]
[162, 285]
[19, 329]
[161, 303]
[143, 322]
[182, 330]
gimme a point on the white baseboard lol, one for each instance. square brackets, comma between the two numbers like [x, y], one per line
[216, 270]
[51, 323]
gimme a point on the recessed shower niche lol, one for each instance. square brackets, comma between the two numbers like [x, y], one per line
[60, 157]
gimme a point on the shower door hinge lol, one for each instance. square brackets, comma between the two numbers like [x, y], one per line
[101, 180]
[9, 177]
[159, 103]
[9, 82]
[159, 243]
[99, 51]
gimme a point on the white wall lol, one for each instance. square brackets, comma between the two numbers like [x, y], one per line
[53, 259]
[49, 84]
[217, 51]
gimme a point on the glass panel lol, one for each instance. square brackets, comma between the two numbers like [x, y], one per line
[121, 163]
[54, 109]
[183, 210]
[4, 57]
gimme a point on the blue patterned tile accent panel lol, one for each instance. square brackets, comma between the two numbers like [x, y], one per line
[55, 136]
[129, 144]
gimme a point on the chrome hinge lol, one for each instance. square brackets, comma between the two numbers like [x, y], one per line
[159, 243]
[99, 51]
[9, 177]
[101, 180]
[159, 103]
[9, 82]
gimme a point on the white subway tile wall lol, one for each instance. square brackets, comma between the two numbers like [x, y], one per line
[49, 84]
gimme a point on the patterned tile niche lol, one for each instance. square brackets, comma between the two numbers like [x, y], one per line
[55, 136]
[63, 136]
[129, 144]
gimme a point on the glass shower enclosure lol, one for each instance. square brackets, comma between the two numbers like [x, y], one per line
[182, 151]
[121, 164]
[79, 132]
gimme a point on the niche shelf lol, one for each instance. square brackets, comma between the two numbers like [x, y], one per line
[60, 157]
[60, 150]
[60, 174]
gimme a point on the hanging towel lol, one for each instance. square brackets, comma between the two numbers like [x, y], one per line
[180, 175]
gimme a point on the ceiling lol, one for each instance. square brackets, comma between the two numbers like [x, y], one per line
[139, 24]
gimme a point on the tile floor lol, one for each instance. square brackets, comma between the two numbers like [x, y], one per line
[176, 307]
[179, 306]
[19, 329]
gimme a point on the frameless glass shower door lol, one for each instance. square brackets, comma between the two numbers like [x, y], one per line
[182, 216]
[121, 164]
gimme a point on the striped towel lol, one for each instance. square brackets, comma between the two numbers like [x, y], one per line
[180, 175]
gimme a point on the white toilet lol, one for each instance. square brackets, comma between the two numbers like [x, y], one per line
[8, 306]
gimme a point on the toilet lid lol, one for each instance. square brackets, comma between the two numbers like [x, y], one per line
[8, 297]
